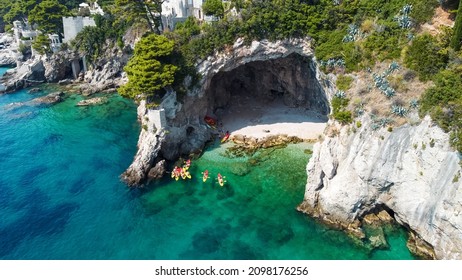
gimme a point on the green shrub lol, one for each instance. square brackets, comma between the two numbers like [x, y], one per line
[344, 82]
[456, 178]
[339, 111]
[425, 56]
[422, 11]
[457, 37]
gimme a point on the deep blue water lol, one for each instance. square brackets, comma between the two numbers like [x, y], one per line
[61, 197]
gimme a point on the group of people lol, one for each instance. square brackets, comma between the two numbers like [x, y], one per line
[183, 173]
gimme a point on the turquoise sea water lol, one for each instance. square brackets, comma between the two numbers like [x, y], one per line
[61, 198]
[2, 70]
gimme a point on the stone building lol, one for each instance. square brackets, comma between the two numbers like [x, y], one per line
[174, 11]
[73, 25]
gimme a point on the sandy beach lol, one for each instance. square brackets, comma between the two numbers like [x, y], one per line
[255, 119]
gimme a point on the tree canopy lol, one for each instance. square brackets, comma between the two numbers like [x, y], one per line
[213, 8]
[150, 69]
[48, 16]
[457, 38]
[134, 11]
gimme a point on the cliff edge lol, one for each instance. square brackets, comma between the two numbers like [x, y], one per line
[411, 172]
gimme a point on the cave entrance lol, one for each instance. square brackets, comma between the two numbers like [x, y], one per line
[262, 98]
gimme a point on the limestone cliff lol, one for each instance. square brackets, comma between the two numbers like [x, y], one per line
[149, 143]
[29, 73]
[412, 172]
[287, 65]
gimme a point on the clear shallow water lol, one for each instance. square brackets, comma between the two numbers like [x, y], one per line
[61, 198]
[2, 71]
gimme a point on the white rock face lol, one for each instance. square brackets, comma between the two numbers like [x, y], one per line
[29, 73]
[8, 54]
[413, 171]
[7, 57]
[149, 144]
[242, 54]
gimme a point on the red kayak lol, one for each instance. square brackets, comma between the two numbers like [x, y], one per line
[221, 180]
[210, 121]
[205, 175]
[226, 137]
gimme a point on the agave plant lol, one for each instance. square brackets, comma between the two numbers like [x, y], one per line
[340, 94]
[403, 18]
[410, 36]
[399, 110]
[385, 121]
[353, 33]
[393, 66]
[333, 62]
[375, 126]
[414, 104]
[389, 92]
[383, 85]
[378, 123]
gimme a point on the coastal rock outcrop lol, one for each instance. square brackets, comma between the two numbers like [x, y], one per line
[149, 144]
[267, 70]
[29, 73]
[7, 57]
[412, 172]
[58, 65]
[107, 72]
[49, 99]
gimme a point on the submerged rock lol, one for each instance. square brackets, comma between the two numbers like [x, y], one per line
[34, 90]
[92, 101]
[49, 99]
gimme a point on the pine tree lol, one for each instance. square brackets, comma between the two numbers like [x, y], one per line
[457, 37]
[149, 70]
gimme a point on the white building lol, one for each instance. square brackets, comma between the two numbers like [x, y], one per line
[174, 11]
[73, 25]
[94, 8]
[23, 33]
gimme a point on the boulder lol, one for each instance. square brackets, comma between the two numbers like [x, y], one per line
[7, 57]
[49, 99]
[157, 172]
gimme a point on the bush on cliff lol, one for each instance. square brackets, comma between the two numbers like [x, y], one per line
[339, 110]
[443, 102]
[150, 69]
[426, 56]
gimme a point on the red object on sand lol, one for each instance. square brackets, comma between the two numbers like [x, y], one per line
[210, 121]
[225, 138]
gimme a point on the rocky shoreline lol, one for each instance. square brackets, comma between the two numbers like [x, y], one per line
[412, 172]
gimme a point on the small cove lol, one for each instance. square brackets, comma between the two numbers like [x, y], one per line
[61, 197]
